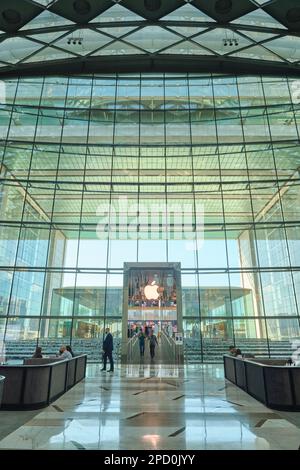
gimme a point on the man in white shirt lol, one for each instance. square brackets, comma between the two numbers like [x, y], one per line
[64, 354]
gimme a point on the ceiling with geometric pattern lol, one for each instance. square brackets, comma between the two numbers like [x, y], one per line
[98, 36]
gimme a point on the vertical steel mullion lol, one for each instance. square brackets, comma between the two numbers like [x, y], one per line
[81, 205]
[165, 211]
[223, 210]
[50, 228]
[139, 173]
[53, 206]
[51, 224]
[195, 218]
[292, 271]
[280, 204]
[166, 173]
[254, 228]
[20, 223]
[23, 210]
[109, 206]
[61, 143]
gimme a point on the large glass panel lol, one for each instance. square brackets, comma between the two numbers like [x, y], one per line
[251, 337]
[26, 293]
[197, 169]
[87, 337]
[282, 332]
[215, 301]
[278, 293]
[217, 336]
[6, 278]
[54, 333]
[21, 337]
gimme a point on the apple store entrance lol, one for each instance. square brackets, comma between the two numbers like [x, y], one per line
[150, 314]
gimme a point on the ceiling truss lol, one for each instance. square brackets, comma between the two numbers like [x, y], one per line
[95, 36]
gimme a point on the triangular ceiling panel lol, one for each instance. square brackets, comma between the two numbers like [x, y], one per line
[258, 36]
[287, 47]
[257, 53]
[262, 2]
[117, 13]
[188, 13]
[259, 18]
[118, 48]
[12, 50]
[152, 39]
[49, 53]
[187, 31]
[222, 41]
[117, 31]
[45, 3]
[186, 47]
[46, 19]
[83, 41]
[46, 38]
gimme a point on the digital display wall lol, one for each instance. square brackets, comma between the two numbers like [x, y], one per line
[152, 295]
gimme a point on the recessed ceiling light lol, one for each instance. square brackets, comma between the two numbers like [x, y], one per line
[11, 16]
[223, 6]
[152, 5]
[293, 15]
[82, 7]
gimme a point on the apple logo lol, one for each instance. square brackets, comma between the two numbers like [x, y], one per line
[151, 292]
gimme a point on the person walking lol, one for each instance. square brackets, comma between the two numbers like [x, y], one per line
[108, 347]
[141, 337]
[153, 343]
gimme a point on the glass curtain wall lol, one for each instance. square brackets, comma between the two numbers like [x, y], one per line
[197, 169]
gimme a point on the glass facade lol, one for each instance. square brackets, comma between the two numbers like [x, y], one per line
[197, 169]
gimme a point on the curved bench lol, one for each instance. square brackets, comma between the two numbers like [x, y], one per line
[36, 386]
[268, 380]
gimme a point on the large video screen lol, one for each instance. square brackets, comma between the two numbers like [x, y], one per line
[152, 298]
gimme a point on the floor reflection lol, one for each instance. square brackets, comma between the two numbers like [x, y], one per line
[156, 406]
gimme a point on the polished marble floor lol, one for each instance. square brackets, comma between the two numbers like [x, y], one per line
[153, 406]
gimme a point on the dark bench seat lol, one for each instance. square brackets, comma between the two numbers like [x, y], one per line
[36, 386]
[269, 380]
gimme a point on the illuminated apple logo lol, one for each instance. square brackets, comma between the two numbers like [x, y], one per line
[151, 292]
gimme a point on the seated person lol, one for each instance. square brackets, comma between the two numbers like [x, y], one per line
[68, 348]
[38, 353]
[233, 351]
[63, 353]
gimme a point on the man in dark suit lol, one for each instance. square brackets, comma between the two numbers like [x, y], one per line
[108, 347]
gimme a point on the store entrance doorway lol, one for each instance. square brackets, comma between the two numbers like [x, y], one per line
[151, 312]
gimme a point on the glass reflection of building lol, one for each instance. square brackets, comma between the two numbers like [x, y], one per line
[222, 146]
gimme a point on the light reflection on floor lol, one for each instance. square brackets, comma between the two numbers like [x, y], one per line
[156, 407]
